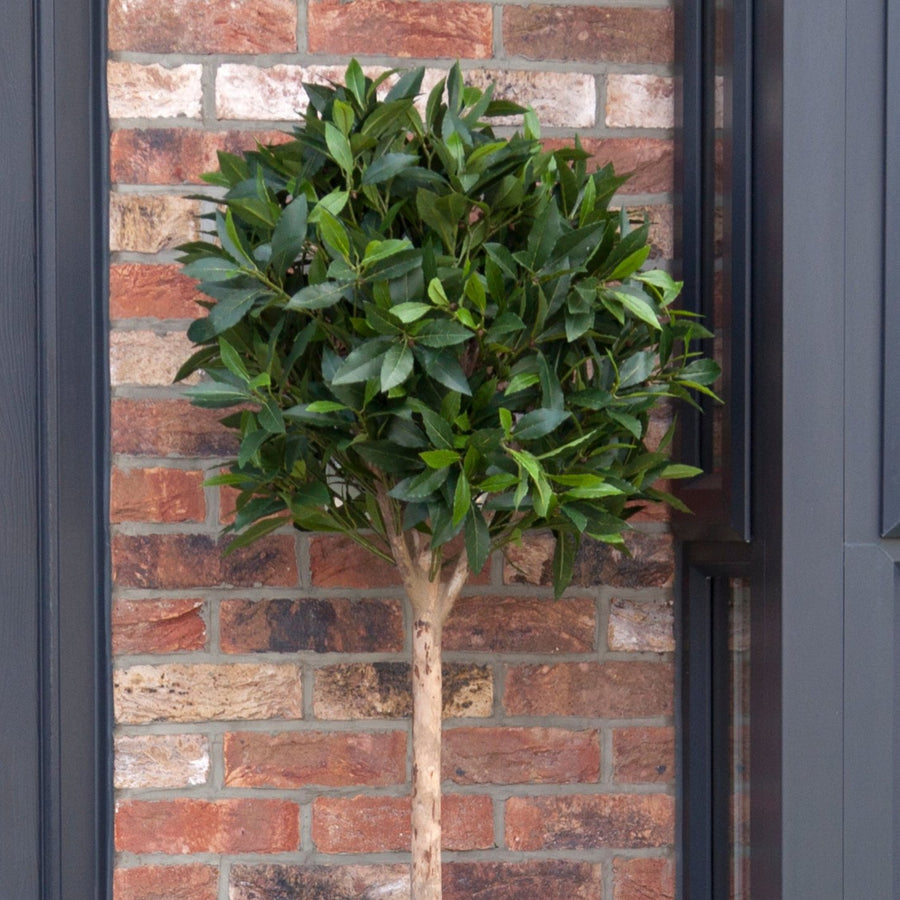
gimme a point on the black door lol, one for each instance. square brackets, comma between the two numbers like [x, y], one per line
[53, 768]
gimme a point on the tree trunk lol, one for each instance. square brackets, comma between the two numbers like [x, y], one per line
[426, 774]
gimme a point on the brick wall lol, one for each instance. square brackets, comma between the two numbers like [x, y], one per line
[261, 700]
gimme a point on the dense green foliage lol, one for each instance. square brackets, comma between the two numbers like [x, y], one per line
[404, 304]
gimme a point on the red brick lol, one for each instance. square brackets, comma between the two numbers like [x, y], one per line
[650, 162]
[551, 879]
[408, 28]
[382, 690]
[169, 428]
[323, 625]
[590, 821]
[521, 625]
[166, 883]
[176, 155]
[297, 759]
[157, 626]
[156, 495]
[609, 689]
[212, 26]
[589, 33]
[338, 562]
[271, 882]
[520, 755]
[207, 826]
[381, 824]
[139, 291]
[643, 879]
[174, 561]
[644, 754]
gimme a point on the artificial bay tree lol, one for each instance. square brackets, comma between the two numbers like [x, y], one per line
[436, 340]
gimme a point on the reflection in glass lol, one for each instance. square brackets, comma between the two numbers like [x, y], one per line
[739, 764]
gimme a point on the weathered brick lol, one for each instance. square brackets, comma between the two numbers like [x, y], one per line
[215, 26]
[589, 33]
[174, 561]
[438, 29]
[643, 878]
[274, 92]
[521, 625]
[520, 755]
[641, 625]
[149, 223]
[169, 428]
[196, 693]
[383, 690]
[166, 883]
[156, 494]
[380, 824]
[610, 689]
[662, 229]
[161, 760]
[139, 291]
[650, 562]
[270, 882]
[207, 826]
[148, 358]
[649, 161]
[640, 101]
[560, 99]
[644, 754]
[588, 821]
[136, 90]
[331, 759]
[157, 626]
[323, 625]
[551, 879]
[176, 155]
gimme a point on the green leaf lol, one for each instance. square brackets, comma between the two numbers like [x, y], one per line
[232, 360]
[363, 363]
[538, 423]
[214, 395]
[388, 166]
[325, 406]
[637, 368]
[442, 333]
[421, 486]
[255, 532]
[289, 236]
[397, 364]
[318, 296]
[334, 234]
[563, 561]
[478, 539]
[700, 371]
[339, 148]
[462, 498]
[411, 312]
[630, 264]
[639, 306]
[677, 470]
[212, 268]
[444, 368]
[439, 459]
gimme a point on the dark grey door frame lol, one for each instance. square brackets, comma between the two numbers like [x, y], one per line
[54, 709]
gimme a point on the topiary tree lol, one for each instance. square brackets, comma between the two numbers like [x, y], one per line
[436, 339]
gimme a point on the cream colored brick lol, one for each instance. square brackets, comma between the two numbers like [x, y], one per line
[153, 91]
[151, 223]
[147, 358]
[196, 693]
[640, 101]
[161, 760]
[560, 99]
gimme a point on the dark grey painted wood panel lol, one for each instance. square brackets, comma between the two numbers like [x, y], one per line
[19, 582]
[813, 500]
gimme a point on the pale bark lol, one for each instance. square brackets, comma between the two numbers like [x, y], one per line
[426, 788]
[431, 601]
